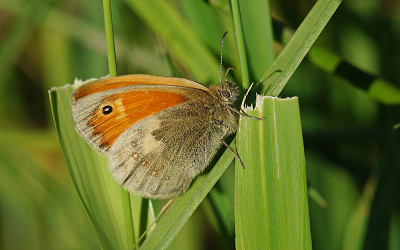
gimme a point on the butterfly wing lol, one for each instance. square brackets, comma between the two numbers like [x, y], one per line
[102, 110]
[157, 137]
[161, 154]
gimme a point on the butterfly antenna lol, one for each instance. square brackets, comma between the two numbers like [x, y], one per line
[226, 74]
[220, 65]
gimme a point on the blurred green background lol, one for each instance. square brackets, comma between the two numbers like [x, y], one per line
[352, 151]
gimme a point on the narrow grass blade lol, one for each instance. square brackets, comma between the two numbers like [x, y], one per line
[385, 92]
[237, 20]
[201, 16]
[112, 64]
[377, 235]
[378, 88]
[357, 221]
[271, 192]
[289, 59]
[182, 42]
[258, 36]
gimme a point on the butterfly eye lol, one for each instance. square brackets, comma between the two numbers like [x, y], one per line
[225, 93]
[107, 109]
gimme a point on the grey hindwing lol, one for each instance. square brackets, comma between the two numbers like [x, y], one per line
[160, 155]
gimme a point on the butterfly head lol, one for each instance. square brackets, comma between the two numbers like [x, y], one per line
[228, 92]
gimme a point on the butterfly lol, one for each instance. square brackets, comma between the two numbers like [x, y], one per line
[158, 133]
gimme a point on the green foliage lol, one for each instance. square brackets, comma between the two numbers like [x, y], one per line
[271, 193]
[350, 150]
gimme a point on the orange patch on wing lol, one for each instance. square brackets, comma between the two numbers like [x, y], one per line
[97, 86]
[129, 80]
[127, 109]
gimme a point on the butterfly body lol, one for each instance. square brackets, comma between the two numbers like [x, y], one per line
[158, 133]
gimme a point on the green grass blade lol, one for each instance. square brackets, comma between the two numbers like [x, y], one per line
[201, 16]
[112, 64]
[258, 36]
[385, 92]
[237, 20]
[289, 59]
[384, 202]
[271, 192]
[222, 204]
[100, 194]
[378, 88]
[356, 226]
[183, 44]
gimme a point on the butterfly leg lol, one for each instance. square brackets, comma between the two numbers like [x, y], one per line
[231, 149]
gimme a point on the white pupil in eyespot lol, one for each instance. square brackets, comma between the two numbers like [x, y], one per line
[107, 109]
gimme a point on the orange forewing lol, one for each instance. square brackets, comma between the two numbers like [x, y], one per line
[128, 108]
[129, 80]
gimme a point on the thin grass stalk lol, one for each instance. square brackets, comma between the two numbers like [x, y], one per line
[240, 43]
[112, 65]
